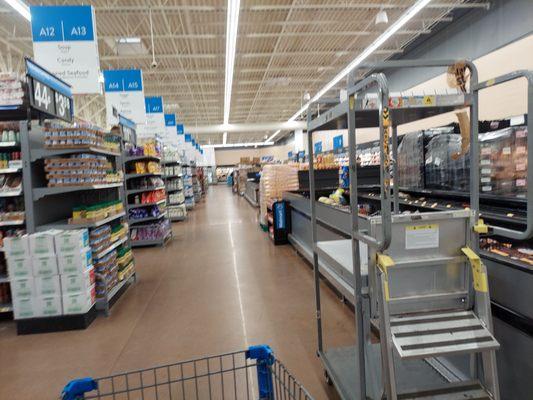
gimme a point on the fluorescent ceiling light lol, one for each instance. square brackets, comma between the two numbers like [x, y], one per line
[229, 145]
[273, 136]
[129, 40]
[225, 137]
[20, 7]
[232, 27]
[391, 30]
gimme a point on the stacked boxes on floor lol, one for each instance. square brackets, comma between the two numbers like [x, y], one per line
[51, 273]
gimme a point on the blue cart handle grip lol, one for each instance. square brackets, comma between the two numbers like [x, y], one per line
[75, 390]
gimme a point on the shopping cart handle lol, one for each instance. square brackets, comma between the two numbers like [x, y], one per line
[75, 389]
[260, 353]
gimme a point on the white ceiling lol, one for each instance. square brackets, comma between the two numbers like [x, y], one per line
[284, 48]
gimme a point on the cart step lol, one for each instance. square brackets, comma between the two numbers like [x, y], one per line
[454, 391]
[437, 334]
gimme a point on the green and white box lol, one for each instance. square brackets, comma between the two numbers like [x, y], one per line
[45, 265]
[78, 303]
[25, 307]
[49, 306]
[23, 287]
[19, 267]
[72, 241]
[76, 262]
[17, 247]
[77, 283]
[48, 286]
[43, 242]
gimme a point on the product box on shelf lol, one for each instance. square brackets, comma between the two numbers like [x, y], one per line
[19, 267]
[44, 265]
[72, 241]
[48, 286]
[49, 306]
[79, 303]
[77, 283]
[23, 287]
[76, 262]
[44, 242]
[17, 246]
[25, 307]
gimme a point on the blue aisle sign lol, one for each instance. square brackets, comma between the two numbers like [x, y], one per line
[180, 129]
[124, 92]
[338, 142]
[154, 105]
[170, 120]
[301, 155]
[188, 137]
[318, 147]
[289, 155]
[155, 119]
[65, 43]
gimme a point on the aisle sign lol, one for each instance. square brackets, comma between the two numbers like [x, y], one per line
[188, 137]
[48, 93]
[180, 129]
[318, 147]
[155, 119]
[124, 92]
[338, 142]
[65, 43]
[170, 129]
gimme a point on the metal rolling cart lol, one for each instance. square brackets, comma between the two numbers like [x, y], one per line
[417, 278]
[254, 373]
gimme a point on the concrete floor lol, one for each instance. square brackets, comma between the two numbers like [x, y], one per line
[219, 286]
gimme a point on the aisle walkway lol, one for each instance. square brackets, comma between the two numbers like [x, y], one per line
[219, 286]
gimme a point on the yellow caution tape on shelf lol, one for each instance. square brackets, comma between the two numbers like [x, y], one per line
[478, 271]
[385, 262]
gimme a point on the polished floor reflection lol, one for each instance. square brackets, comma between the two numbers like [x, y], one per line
[219, 286]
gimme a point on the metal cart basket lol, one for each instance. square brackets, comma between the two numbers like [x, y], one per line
[250, 374]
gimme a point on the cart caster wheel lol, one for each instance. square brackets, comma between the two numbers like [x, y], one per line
[328, 379]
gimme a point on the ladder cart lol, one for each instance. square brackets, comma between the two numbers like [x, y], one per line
[417, 278]
[254, 373]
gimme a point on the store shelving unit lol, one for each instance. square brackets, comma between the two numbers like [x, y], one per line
[173, 176]
[130, 181]
[46, 208]
[188, 187]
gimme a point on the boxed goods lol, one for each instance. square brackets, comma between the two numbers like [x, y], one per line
[76, 262]
[79, 303]
[25, 307]
[77, 283]
[19, 267]
[45, 265]
[72, 241]
[17, 246]
[43, 242]
[47, 286]
[503, 162]
[23, 287]
[49, 306]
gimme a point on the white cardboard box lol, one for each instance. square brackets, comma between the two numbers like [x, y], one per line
[43, 242]
[72, 241]
[76, 262]
[17, 246]
[79, 303]
[49, 306]
[23, 287]
[77, 283]
[19, 267]
[25, 307]
[47, 286]
[44, 265]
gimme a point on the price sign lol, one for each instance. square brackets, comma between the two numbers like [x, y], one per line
[48, 93]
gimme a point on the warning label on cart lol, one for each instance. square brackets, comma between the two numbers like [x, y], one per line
[422, 236]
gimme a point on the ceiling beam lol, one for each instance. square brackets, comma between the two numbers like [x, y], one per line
[246, 128]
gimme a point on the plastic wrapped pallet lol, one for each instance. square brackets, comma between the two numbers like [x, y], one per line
[443, 171]
[275, 179]
[503, 162]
